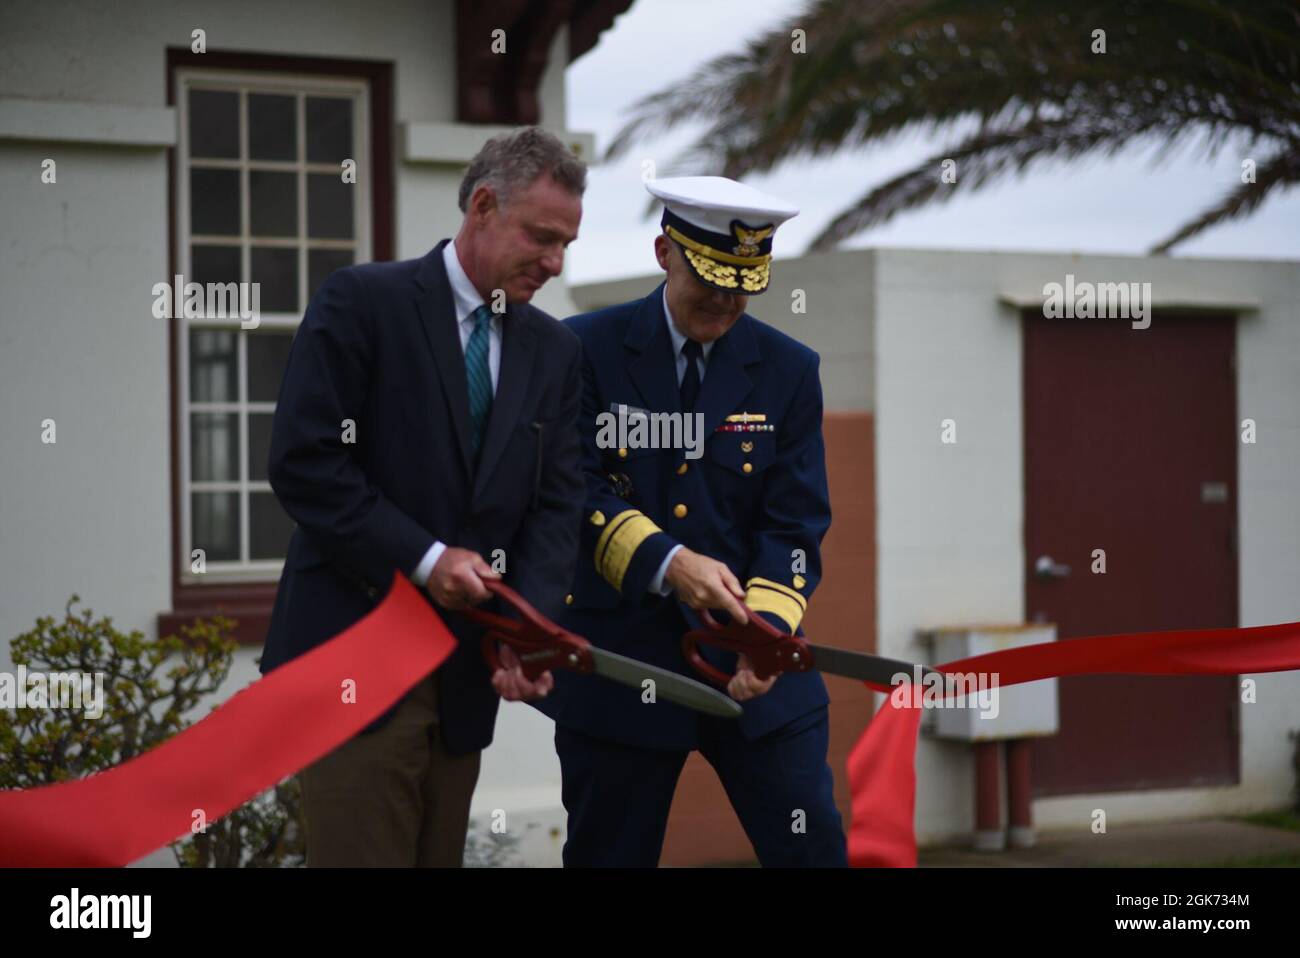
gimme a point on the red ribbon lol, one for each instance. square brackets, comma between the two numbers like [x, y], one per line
[263, 734]
[882, 769]
[297, 713]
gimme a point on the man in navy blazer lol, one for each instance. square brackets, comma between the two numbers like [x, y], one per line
[426, 424]
[673, 528]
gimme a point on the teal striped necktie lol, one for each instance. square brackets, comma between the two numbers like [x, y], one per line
[479, 377]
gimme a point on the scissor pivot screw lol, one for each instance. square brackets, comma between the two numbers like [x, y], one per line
[573, 658]
[794, 656]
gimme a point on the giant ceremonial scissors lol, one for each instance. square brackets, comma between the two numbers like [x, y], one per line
[771, 652]
[540, 644]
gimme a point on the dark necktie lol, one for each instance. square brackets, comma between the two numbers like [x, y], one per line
[478, 375]
[690, 387]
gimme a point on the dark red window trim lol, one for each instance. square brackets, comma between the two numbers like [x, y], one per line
[250, 603]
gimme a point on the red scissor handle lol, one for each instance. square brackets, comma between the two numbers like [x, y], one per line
[769, 650]
[539, 642]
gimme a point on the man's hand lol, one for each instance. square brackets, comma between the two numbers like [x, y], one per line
[704, 583]
[745, 684]
[456, 581]
[511, 683]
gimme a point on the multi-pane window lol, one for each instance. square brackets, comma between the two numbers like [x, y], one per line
[272, 189]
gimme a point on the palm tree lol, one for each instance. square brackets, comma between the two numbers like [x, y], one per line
[1025, 79]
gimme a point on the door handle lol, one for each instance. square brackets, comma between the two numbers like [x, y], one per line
[1046, 568]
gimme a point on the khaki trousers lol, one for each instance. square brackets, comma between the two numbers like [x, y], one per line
[393, 797]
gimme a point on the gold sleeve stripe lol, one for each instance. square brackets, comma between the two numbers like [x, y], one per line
[777, 586]
[762, 599]
[619, 542]
[608, 533]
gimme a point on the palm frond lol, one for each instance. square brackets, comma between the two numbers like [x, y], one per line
[1279, 171]
[1018, 69]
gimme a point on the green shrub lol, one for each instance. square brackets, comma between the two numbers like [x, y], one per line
[148, 689]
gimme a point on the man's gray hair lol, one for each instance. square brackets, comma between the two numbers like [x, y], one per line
[513, 161]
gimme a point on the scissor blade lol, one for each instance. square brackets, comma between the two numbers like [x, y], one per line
[861, 665]
[671, 686]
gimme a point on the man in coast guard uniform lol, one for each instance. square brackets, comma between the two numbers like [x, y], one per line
[665, 535]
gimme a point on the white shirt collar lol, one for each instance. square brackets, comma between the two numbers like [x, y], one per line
[463, 294]
[679, 340]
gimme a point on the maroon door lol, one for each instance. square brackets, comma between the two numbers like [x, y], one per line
[1130, 447]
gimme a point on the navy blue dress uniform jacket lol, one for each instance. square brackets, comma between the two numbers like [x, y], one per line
[379, 345]
[756, 500]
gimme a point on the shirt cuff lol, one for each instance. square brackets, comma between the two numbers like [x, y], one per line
[657, 583]
[421, 574]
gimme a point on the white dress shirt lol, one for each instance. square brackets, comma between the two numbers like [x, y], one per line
[466, 299]
[679, 340]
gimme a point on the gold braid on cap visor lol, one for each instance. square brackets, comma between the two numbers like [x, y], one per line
[709, 264]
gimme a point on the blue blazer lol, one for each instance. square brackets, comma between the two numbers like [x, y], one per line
[379, 345]
[756, 500]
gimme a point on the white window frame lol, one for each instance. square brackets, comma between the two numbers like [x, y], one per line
[244, 82]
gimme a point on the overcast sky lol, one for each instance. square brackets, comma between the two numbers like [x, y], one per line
[1116, 205]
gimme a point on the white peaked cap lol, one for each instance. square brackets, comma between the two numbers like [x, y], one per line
[712, 202]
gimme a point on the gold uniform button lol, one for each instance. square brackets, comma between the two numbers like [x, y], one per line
[799, 582]
[681, 470]
[622, 454]
[568, 599]
[747, 467]
[679, 511]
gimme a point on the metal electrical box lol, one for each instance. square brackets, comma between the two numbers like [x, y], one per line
[991, 712]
